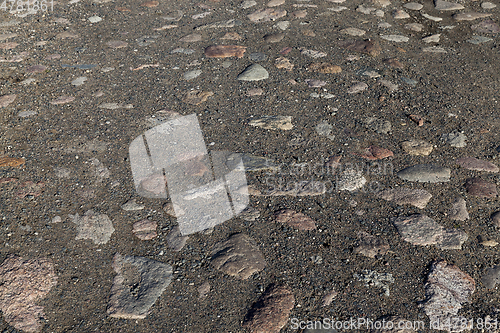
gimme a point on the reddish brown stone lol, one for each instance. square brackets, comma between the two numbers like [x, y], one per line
[23, 283]
[393, 62]
[417, 119]
[225, 51]
[145, 229]
[368, 46]
[270, 313]
[472, 163]
[295, 219]
[480, 188]
[376, 153]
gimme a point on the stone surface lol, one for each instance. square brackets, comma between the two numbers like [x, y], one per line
[273, 122]
[350, 180]
[395, 38]
[417, 147]
[136, 287]
[225, 51]
[369, 47]
[487, 27]
[325, 129]
[445, 5]
[375, 279]
[252, 163]
[470, 16]
[274, 38]
[371, 246]
[377, 125]
[253, 72]
[249, 214]
[357, 88]
[400, 14]
[373, 153]
[238, 256]
[455, 139]
[495, 218]
[296, 189]
[145, 229]
[324, 67]
[458, 210]
[23, 284]
[270, 313]
[427, 173]
[5, 100]
[175, 240]
[197, 97]
[447, 287]
[132, 205]
[421, 230]
[480, 188]
[353, 31]
[295, 219]
[97, 227]
[491, 277]
[266, 15]
[11, 162]
[283, 63]
[473, 163]
[418, 229]
[413, 6]
[406, 196]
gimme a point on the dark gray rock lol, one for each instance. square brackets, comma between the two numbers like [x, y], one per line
[136, 287]
[491, 277]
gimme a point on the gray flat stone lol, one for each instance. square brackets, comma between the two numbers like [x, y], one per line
[238, 256]
[445, 5]
[413, 6]
[132, 205]
[470, 16]
[458, 210]
[479, 40]
[97, 227]
[136, 287]
[407, 196]
[378, 125]
[427, 173]
[253, 72]
[175, 240]
[452, 239]
[491, 277]
[418, 229]
[495, 218]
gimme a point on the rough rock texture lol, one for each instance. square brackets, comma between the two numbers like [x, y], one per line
[491, 277]
[375, 279]
[371, 246]
[273, 122]
[376, 153]
[136, 287]
[495, 218]
[417, 147]
[402, 196]
[249, 214]
[271, 311]
[295, 219]
[480, 188]
[458, 210]
[22, 284]
[97, 227]
[175, 240]
[368, 46]
[145, 229]
[238, 256]
[472, 163]
[419, 229]
[447, 287]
